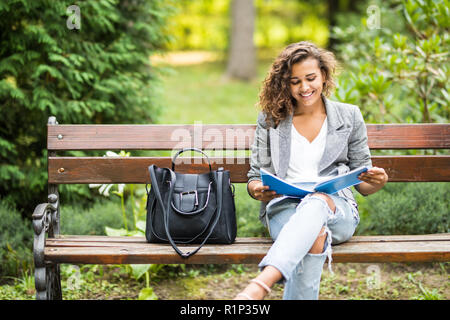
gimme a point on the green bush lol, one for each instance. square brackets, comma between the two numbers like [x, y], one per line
[247, 214]
[16, 241]
[92, 221]
[100, 73]
[396, 71]
[406, 208]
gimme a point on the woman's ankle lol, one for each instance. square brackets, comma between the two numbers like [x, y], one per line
[252, 291]
[270, 275]
[260, 286]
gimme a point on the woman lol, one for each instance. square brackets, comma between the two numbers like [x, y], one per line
[301, 136]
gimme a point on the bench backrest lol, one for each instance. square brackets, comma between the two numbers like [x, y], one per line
[65, 170]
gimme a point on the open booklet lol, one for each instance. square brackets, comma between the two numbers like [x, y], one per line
[301, 189]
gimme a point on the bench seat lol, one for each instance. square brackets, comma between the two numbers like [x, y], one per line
[233, 141]
[135, 250]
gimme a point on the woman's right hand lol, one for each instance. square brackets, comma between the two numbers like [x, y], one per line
[261, 192]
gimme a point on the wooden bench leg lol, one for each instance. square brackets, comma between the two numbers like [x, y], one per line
[46, 277]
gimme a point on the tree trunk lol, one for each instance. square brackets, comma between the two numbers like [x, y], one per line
[242, 60]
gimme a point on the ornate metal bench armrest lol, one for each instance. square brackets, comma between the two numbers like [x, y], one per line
[43, 216]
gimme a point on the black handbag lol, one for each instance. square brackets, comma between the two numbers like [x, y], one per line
[190, 208]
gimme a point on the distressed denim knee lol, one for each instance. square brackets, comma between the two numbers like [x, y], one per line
[344, 222]
[331, 216]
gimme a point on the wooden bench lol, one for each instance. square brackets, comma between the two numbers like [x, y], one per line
[51, 248]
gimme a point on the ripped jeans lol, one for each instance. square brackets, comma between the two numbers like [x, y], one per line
[294, 228]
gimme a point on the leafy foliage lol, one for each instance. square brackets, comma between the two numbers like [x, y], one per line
[397, 71]
[247, 214]
[15, 241]
[406, 208]
[100, 73]
[92, 221]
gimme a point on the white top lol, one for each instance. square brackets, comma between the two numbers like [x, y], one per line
[305, 156]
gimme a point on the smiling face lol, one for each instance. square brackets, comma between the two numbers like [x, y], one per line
[306, 84]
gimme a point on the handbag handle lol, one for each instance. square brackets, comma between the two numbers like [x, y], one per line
[189, 149]
[166, 211]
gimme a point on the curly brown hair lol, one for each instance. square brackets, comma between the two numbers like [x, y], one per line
[275, 98]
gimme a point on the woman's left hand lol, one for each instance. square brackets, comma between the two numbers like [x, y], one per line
[375, 176]
[372, 180]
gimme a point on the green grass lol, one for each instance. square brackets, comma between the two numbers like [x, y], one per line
[350, 281]
[200, 93]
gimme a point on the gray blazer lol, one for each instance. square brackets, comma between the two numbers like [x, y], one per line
[346, 146]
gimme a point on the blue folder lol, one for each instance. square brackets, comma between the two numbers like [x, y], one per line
[301, 189]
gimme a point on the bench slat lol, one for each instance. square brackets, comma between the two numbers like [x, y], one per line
[226, 137]
[408, 136]
[150, 137]
[134, 169]
[61, 239]
[100, 250]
